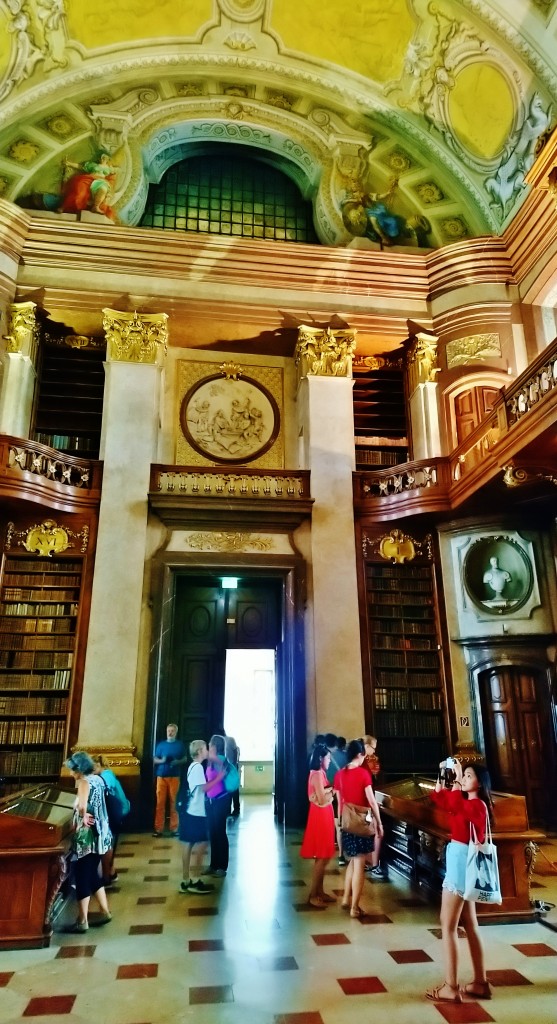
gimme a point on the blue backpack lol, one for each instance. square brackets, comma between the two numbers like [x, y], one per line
[231, 780]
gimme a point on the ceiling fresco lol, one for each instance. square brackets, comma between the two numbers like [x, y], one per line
[407, 124]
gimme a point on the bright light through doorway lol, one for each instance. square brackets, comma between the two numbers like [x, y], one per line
[249, 702]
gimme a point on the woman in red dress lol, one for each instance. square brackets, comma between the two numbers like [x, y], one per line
[319, 837]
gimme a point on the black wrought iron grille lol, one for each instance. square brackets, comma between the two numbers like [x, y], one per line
[232, 195]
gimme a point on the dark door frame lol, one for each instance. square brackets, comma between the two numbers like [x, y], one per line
[291, 753]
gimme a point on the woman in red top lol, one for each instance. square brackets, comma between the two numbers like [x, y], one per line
[353, 786]
[467, 803]
[319, 837]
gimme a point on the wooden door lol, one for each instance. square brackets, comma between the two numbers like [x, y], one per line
[515, 735]
[471, 407]
[195, 696]
[252, 617]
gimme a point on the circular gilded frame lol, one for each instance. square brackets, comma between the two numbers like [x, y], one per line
[229, 420]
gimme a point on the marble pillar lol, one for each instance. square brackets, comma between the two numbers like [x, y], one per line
[423, 401]
[18, 365]
[136, 345]
[326, 422]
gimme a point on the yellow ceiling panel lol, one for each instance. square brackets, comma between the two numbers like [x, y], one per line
[134, 20]
[481, 89]
[369, 37]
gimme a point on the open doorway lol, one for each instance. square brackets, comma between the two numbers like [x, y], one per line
[250, 715]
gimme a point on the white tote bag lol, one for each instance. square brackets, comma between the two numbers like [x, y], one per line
[482, 870]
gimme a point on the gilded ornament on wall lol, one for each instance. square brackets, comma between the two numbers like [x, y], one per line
[397, 547]
[473, 349]
[46, 539]
[324, 352]
[231, 416]
[229, 542]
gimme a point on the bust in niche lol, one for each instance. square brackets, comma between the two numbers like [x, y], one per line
[496, 579]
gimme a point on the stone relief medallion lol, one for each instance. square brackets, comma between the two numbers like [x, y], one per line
[229, 420]
[498, 575]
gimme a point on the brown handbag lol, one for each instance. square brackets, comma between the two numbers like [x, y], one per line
[354, 819]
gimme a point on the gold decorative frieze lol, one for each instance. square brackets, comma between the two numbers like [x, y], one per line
[422, 359]
[121, 759]
[233, 484]
[229, 542]
[324, 352]
[521, 476]
[135, 337]
[23, 329]
[476, 348]
[78, 341]
[397, 546]
[46, 539]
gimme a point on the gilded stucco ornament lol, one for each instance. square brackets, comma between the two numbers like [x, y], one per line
[23, 329]
[422, 360]
[397, 547]
[135, 337]
[229, 542]
[46, 539]
[473, 349]
[324, 352]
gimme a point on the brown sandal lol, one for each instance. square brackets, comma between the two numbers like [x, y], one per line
[434, 994]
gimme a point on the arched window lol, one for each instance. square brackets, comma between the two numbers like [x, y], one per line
[226, 192]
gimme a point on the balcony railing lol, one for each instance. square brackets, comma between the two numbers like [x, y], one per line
[32, 471]
[183, 494]
[521, 414]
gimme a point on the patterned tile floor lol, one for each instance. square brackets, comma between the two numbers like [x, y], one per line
[254, 953]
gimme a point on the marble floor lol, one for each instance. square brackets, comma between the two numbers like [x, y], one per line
[255, 953]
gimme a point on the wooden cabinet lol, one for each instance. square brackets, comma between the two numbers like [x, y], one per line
[69, 399]
[406, 669]
[417, 832]
[39, 616]
[35, 828]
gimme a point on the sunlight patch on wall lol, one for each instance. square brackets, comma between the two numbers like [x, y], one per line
[370, 38]
[481, 88]
[132, 20]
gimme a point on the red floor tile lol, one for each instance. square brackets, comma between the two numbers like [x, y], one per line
[509, 977]
[205, 945]
[203, 911]
[41, 1006]
[412, 901]
[145, 929]
[127, 971]
[211, 994]
[537, 885]
[159, 860]
[361, 986]
[155, 878]
[535, 949]
[128, 842]
[122, 855]
[437, 933]
[463, 1013]
[306, 1017]
[72, 952]
[409, 956]
[123, 871]
[5, 978]
[278, 963]
[150, 901]
[331, 939]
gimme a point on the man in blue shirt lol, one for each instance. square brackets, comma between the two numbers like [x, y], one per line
[170, 754]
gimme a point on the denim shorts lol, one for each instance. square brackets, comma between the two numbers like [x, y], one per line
[455, 872]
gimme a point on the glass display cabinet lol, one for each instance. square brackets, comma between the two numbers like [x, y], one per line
[35, 831]
[417, 831]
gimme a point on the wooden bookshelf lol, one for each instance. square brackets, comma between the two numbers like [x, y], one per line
[69, 399]
[39, 614]
[406, 668]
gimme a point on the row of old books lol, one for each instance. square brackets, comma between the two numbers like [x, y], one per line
[39, 730]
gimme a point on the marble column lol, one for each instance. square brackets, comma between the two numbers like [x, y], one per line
[326, 421]
[423, 398]
[136, 345]
[18, 376]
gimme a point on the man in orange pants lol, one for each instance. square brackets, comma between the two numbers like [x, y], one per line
[170, 754]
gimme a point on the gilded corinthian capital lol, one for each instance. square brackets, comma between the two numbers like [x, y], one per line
[135, 337]
[325, 352]
[422, 360]
[23, 329]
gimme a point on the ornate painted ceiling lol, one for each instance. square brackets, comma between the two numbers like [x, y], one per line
[430, 110]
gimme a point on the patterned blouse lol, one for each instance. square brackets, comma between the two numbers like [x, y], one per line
[97, 839]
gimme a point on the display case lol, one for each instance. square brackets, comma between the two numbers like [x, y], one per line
[35, 831]
[417, 832]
